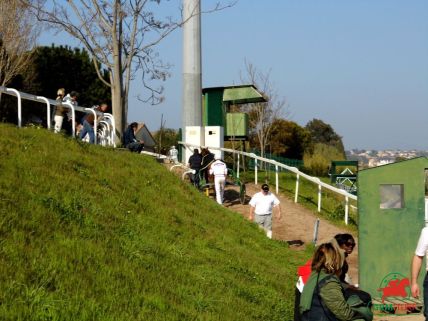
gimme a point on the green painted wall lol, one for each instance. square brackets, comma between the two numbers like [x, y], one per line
[236, 125]
[388, 237]
[212, 114]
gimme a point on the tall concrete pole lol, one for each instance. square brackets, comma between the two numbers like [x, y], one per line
[192, 66]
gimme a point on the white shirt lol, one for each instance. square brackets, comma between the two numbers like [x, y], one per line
[218, 168]
[422, 248]
[264, 203]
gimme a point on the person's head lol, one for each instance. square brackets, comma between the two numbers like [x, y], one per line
[134, 126]
[60, 92]
[328, 257]
[265, 188]
[346, 242]
[103, 107]
[172, 147]
[195, 151]
[74, 95]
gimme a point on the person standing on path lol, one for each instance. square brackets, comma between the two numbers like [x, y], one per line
[219, 170]
[420, 252]
[195, 164]
[262, 205]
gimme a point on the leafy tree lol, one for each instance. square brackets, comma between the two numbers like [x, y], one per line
[322, 133]
[168, 137]
[72, 69]
[288, 139]
[53, 68]
[121, 36]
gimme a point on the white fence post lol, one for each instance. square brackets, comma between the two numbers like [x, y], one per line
[18, 96]
[255, 171]
[346, 209]
[113, 129]
[296, 194]
[298, 174]
[276, 178]
[48, 105]
[73, 117]
[237, 170]
[95, 123]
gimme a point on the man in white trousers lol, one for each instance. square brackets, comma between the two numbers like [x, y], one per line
[219, 170]
[263, 203]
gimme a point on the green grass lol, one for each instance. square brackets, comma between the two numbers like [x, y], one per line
[332, 204]
[90, 233]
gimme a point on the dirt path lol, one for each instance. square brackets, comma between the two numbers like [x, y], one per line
[296, 224]
[297, 227]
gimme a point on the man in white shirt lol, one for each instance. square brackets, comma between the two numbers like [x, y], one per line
[262, 204]
[421, 251]
[219, 170]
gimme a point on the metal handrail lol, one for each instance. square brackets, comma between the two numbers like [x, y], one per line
[292, 169]
[73, 108]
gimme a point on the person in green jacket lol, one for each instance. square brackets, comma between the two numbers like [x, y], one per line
[323, 298]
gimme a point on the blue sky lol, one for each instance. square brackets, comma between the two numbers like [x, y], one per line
[359, 65]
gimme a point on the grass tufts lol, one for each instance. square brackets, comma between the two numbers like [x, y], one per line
[88, 233]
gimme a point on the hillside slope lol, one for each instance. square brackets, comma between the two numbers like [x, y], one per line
[89, 233]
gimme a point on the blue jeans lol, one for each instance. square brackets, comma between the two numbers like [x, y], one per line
[87, 129]
[426, 297]
[135, 147]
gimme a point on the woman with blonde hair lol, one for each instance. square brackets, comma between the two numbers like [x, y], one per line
[60, 110]
[323, 295]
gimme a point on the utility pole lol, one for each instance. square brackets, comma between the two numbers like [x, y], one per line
[192, 65]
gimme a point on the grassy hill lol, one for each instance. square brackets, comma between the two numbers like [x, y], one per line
[90, 233]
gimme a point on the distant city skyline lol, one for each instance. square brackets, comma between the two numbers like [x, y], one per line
[360, 66]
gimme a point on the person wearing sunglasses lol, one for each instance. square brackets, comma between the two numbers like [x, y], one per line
[347, 243]
[323, 297]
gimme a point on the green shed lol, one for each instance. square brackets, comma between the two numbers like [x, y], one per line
[391, 206]
[216, 108]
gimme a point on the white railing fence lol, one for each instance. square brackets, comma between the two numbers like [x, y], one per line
[294, 170]
[104, 128]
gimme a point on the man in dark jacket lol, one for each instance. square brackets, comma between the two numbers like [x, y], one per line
[129, 140]
[195, 163]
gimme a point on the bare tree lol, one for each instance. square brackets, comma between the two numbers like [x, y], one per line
[121, 36]
[18, 36]
[262, 115]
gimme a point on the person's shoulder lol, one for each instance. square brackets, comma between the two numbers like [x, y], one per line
[424, 231]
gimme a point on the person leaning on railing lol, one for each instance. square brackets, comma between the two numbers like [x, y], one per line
[88, 123]
[60, 111]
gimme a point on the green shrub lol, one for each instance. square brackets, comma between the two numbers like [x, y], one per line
[318, 162]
